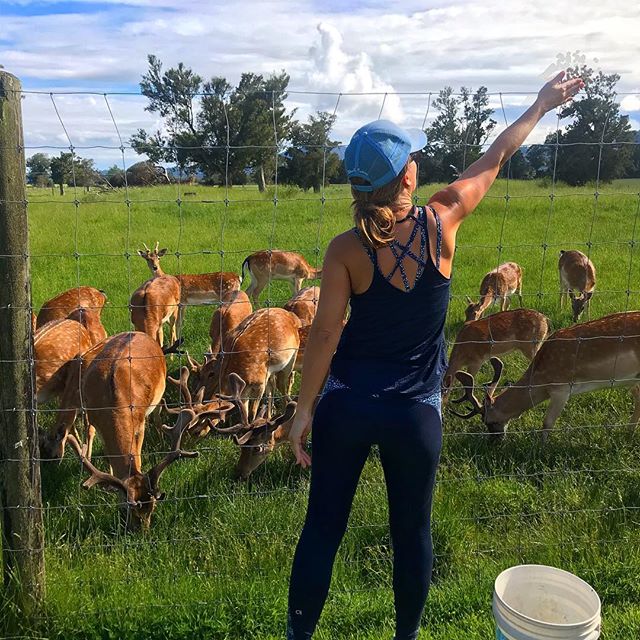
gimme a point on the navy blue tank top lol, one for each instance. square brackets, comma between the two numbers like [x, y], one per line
[393, 343]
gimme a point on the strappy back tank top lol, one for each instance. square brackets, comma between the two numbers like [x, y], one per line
[393, 343]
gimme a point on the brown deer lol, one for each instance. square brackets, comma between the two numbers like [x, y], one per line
[478, 340]
[235, 307]
[263, 345]
[577, 273]
[121, 386]
[264, 266]
[304, 304]
[62, 305]
[499, 284]
[599, 354]
[258, 437]
[154, 303]
[196, 289]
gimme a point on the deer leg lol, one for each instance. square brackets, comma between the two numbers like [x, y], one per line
[296, 284]
[557, 404]
[160, 334]
[255, 294]
[633, 421]
[91, 434]
[520, 293]
[563, 296]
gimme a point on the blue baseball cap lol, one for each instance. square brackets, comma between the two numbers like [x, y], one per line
[378, 152]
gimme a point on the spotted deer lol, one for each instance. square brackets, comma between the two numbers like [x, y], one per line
[154, 303]
[235, 307]
[264, 266]
[477, 341]
[304, 304]
[195, 289]
[121, 385]
[499, 284]
[577, 273]
[262, 346]
[257, 437]
[85, 298]
[599, 354]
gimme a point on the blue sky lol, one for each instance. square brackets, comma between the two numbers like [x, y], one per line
[358, 46]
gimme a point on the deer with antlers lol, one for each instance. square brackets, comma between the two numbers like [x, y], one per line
[477, 341]
[264, 266]
[195, 289]
[235, 307]
[258, 437]
[599, 354]
[577, 273]
[262, 346]
[304, 304]
[84, 304]
[121, 385]
[499, 284]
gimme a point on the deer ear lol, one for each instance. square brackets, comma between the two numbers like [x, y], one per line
[469, 300]
[142, 254]
[162, 252]
[588, 296]
[243, 439]
[160, 496]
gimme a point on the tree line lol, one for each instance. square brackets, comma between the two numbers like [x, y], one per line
[233, 135]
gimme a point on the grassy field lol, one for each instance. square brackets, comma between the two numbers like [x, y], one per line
[216, 562]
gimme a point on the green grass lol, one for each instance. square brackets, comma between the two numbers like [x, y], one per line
[216, 562]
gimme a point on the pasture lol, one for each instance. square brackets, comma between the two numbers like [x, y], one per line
[216, 561]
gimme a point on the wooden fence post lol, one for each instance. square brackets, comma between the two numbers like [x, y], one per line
[20, 497]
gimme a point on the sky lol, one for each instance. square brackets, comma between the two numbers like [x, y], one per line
[391, 54]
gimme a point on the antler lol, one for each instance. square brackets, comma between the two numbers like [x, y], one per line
[147, 248]
[195, 367]
[157, 247]
[182, 384]
[466, 379]
[238, 384]
[97, 476]
[498, 366]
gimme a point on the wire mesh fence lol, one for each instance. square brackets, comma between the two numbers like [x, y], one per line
[216, 552]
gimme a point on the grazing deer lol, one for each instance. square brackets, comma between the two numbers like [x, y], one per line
[577, 273]
[56, 345]
[235, 307]
[196, 289]
[499, 284]
[304, 304]
[121, 386]
[87, 298]
[478, 340]
[599, 354]
[264, 266]
[263, 345]
[155, 302]
[258, 437]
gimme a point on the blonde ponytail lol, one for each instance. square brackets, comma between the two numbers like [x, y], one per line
[373, 211]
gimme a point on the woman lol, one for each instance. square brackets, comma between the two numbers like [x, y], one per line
[385, 368]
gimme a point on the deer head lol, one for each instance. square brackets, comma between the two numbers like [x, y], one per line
[578, 303]
[153, 258]
[485, 409]
[255, 439]
[473, 310]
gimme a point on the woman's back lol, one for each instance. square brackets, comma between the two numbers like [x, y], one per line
[393, 343]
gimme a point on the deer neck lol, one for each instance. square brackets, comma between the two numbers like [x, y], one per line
[517, 399]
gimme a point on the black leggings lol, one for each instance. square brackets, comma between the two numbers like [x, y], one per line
[409, 436]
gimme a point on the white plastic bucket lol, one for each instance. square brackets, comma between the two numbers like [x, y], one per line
[534, 602]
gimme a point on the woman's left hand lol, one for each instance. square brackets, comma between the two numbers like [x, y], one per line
[298, 434]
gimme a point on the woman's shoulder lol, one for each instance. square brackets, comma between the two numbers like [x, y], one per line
[344, 242]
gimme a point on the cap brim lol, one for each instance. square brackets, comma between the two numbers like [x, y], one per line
[418, 139]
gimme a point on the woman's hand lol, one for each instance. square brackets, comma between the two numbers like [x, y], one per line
[558, 91]
[298, 434]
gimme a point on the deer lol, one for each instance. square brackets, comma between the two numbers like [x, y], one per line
[195, 289]
[499, 284]
[477, 341]
[88, 299]
[235, 307]
[121, 385]
[263, 345]
[599, 354]
[258, 437]
[264, 266]
[577, 273]
[154, 303]
[304, 304]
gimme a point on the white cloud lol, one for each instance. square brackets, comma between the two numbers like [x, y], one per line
[630, 103]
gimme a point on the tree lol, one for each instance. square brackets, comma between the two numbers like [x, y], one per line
[39, 170]
[225, 133]
[596, 119]
[517, 167]
[115, 176]
[634, 169]
[85, 173]
[311, 156]
[457, 134]
[540, 158]
[62, 170]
